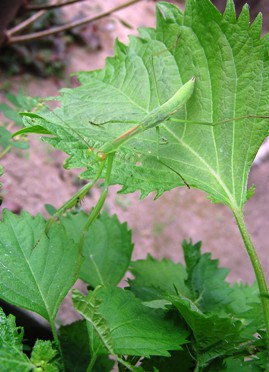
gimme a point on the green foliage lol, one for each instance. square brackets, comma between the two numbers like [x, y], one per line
[12, 357]
[107, 248]
[38, 269]
[214, 311]
[157, 279]
[214, 159]
[74, 340]
[168, 314]
[153, 317]
[11, 112]
[44, 356]
[17, 103]
[126, 326]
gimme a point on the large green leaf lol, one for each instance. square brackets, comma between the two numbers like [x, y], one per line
[125, 326]
[107, 249]
[214, 335]
[206, 280]
[158, 279]
[230, 63]
[35, 275]
[222, 318]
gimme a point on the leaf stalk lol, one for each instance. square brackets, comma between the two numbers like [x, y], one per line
[263, 289]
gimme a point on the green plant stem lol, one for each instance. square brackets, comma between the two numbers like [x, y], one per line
[3, 153]
[256, 266]
[92, 363]
[55, 336]
[99, 205]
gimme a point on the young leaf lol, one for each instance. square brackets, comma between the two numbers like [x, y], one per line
[127, 327]
[230, 63]
[107, 249]
[44, 356]
[221, 317]
[35, 275]
[11, 356]
[18, 102]
[157, 279]
[214, 335]
[205, 280]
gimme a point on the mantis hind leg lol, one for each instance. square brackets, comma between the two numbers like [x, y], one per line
[166, 165]
[176, 172]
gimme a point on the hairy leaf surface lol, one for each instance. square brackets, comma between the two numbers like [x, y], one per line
[35, 276]
[11, 356]
[230, 63]
[107, 248]
[125, 326]
[157, 279]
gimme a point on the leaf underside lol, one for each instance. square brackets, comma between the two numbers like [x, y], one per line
[230, 63]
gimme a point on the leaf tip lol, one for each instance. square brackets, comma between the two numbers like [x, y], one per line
[229, 12]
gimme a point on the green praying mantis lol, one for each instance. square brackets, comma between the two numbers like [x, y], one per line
[106, 153]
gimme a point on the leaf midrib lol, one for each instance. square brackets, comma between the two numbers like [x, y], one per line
[31, 271]
[202, 160]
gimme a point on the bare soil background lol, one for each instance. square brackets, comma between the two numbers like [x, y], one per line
[35, 177]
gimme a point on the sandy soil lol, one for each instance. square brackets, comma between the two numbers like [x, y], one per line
[36, 177]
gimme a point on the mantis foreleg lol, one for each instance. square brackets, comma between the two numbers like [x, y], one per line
[97, 208]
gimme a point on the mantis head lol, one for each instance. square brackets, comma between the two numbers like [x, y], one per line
[98, 155]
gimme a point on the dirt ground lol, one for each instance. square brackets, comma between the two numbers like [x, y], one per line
[36, 177]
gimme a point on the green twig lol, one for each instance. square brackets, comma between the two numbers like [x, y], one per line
[256, 266]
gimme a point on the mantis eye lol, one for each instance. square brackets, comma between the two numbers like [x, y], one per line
[101, 155]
